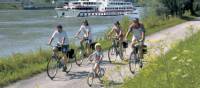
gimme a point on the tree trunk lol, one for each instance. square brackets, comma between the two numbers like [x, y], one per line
[191, 5]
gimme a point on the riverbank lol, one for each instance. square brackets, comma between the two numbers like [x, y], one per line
[33, 63]
[179, 68]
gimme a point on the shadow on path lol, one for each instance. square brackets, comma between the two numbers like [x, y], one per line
[71, 76]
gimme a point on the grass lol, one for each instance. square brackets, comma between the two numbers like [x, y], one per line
[10, 6]
[179, 68]
[21, 66]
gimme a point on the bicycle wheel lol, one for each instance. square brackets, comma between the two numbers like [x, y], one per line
[90, 78]
[133, 63]
[52, 67]
[101, 74]
[79, 57]
[112, 54]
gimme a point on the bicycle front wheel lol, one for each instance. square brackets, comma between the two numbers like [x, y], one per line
[101, 74]
[90, 78]
[52, 67]
[79, 57]
[133, 63]
[112, 54]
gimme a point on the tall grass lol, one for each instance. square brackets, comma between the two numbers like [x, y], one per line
[20, 66]
[179, 68]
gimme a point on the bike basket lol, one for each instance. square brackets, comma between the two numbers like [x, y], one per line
[70, 53]
[144, 49]
[125, 44]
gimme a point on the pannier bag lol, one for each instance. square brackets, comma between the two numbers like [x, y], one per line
[144, 49]
[70, 53]
[125, 44]
[92, 45]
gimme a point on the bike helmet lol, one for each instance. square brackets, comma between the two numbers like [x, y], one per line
[135, 19]
[98, 44]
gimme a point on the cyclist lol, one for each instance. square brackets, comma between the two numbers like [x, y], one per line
[117, 29]
[85, 28]
[138, 31]
[62, 43]
[98, 54]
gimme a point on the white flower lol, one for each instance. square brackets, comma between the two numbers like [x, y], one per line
[186, 51]
[185, 75]
[189, 60]
[179, 70]
[174, 58]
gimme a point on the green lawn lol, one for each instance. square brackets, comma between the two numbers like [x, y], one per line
[179, 68]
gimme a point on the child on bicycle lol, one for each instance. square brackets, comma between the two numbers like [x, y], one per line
[98, 56]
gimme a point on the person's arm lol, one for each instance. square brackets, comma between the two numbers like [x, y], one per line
[101, 57]
[143, 33]
[129, 30]
[88, 31]
[51, 39]
[63, 40]
[110, 33]
[120, 33]
[79, 31]
[91, 55]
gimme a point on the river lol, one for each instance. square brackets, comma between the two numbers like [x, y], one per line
[27, 30]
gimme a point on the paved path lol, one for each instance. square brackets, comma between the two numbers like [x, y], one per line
[116, 72]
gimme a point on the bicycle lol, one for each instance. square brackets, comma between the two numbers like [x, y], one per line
[83, 51]
[115, 50]
[136, 57]
[92, 75]
[55, 63]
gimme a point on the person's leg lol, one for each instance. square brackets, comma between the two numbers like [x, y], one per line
[55, 51]
[95, 68]
[81, 42]
[133, 41]
[65, 57]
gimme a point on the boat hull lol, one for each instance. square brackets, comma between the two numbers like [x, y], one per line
[84, 13]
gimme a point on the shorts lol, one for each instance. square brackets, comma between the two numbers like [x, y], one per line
[63, 48]
[137, 38]
[89, 41]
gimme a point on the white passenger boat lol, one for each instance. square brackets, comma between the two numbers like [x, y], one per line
[82, 8]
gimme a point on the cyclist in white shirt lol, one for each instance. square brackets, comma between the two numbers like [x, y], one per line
[62, 42]
[86, 30]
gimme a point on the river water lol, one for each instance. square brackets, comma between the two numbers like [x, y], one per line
[27, 30]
